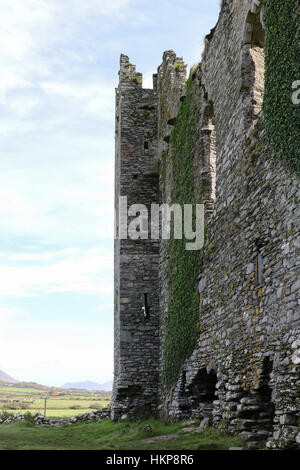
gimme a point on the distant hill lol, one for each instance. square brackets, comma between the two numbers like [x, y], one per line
[88, 385]
[6, 378]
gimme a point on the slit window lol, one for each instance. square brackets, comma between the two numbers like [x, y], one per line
[259, 264]
[208, 163]
[146, 306]
[260, 268]
[253, 70]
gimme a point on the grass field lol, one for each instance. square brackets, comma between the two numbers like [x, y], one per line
[18, 391]
[20, 400]
[108, 435]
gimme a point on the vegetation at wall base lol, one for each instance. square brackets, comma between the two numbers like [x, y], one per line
[109, 435]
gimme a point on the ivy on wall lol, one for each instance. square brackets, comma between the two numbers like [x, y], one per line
[282, 122]
[182, 324]
[282, 116]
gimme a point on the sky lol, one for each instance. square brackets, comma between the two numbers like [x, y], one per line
[59, 69]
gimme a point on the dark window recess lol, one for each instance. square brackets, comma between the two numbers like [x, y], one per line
[146, 145]
[260, 244]
[146, 307]
[203, 388]
[183, 382]
[259, 262]
[260, 268]
[265, 391]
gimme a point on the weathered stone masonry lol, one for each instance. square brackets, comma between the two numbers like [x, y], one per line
[243, 375]
[136, 261]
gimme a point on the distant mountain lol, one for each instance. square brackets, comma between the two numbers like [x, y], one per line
[6, 378]
[88, 385]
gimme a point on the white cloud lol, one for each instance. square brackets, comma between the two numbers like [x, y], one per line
[80, 272]
[23, 105]
[75, 204]
[54, 355]
[43, 256]
[78, 9]
[20, 21]
[6, 312]
[93, 98]
[29, 29]
[58, 73]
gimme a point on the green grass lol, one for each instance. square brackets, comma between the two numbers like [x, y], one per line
[20, 391]
[109, 435]
[33, 400]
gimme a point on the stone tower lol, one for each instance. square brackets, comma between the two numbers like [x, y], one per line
[136, 361]
[214, 337]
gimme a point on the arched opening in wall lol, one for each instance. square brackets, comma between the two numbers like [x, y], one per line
[202, 393]
[257, 409]
[208, 163]
[253, 58]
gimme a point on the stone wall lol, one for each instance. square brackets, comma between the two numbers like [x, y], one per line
[171, 91]
[244, 373]
[136, 261]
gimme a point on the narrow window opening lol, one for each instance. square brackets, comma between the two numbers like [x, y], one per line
[183, 398]
[183, 382]
[265, 390]
[208, 164]
[265, 393]
[253, 59]
[260, 268]
[146, 307]
[259, 263]
[146, 145]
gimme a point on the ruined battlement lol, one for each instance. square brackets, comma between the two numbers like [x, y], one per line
[211, 334]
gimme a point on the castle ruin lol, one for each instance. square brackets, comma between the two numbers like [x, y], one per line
[231, 356]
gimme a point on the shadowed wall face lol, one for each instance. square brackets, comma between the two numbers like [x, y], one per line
[249, 289]
[136, 261]
[228, 319]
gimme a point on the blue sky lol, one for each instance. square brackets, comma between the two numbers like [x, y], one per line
[59, 64]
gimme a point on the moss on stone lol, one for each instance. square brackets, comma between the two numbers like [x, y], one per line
[182, 324]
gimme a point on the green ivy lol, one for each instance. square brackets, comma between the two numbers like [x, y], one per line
[182, 324]
[282, 117]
